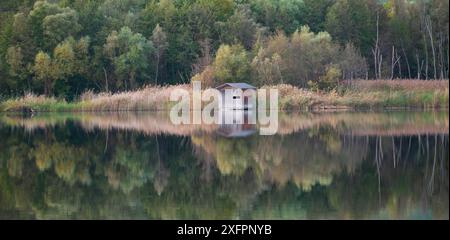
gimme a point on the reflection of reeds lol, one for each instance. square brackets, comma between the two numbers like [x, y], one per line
[150, 123]
[363, 123]
[368, 123]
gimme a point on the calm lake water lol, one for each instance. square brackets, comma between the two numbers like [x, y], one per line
[391, 165]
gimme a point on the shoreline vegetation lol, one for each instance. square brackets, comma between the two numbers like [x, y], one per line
[348, 95]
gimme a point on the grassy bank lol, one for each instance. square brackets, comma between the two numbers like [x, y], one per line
[379, 94]
[373, 94]
[31, 102]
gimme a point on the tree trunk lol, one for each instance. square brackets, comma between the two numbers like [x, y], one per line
[441, 57]
[399, 65]
[379, 66]
[448, 57]
[426, 55]
[106, 80]
[376, 52]
[430, 34]
[407, 62]
[47, 87]
[157, 69]
[392, 63]
[419, 66]
[132, 80]
[394, 60]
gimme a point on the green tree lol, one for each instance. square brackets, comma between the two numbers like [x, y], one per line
[331, 78]
[36, 18]
[267, 68]
[22, 36]
[352, 20]
[278, 15]
[63, 60]
[315, 12]
[159, 40]
[240, 28]
[43, 70]
[297, 59]
[231, 64]
[129, 54]
[81, 51]
[59, 26]
[352, 63]
[17, 65]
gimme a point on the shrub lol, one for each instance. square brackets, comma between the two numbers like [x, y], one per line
[328, 81]
[206, 77]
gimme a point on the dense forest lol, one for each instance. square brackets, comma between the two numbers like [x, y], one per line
[65, 47]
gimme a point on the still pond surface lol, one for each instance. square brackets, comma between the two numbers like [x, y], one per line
[390, 165]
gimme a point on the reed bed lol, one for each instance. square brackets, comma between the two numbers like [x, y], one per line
[150, 98]
[397, 84]
[369, 94]
[356, 94]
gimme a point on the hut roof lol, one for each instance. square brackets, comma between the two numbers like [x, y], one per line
[236, 85]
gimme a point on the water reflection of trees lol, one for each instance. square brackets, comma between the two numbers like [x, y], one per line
[305, 158]
[321, 172]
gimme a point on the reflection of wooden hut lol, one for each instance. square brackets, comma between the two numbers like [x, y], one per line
[241, 125]
[235, 102]
[236, 130]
